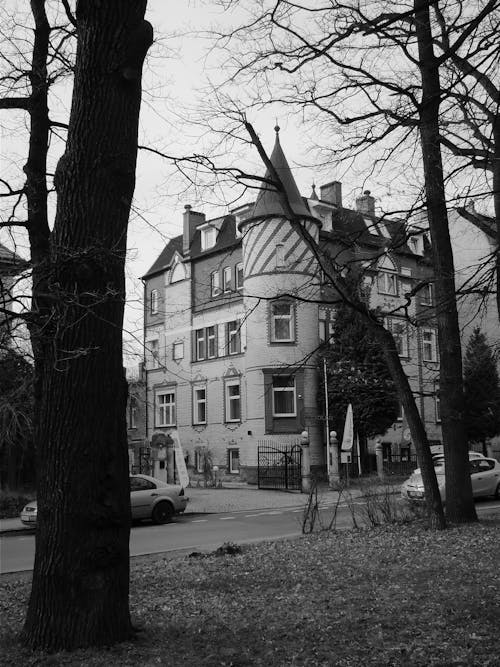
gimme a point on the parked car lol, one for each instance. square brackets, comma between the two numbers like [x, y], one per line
[150, 498]
[484, 473]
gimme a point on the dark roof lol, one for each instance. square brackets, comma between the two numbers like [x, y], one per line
[9, 261]
[482, 222]
[268, 201]
[226, 236]
[356, 228]
[165, 257]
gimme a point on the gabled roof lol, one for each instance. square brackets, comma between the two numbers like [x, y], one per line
[164, 259]
[268, 201]
[9, 261]
[482, 222]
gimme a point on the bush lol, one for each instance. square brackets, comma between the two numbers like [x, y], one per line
[11, 504]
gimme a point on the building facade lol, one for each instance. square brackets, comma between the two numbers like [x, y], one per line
[237, 307]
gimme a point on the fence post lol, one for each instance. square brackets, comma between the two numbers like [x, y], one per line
[334, 475]
[380, 459]
[306, 462]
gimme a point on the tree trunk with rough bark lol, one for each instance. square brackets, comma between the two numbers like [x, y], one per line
[459, 502]
[80, 584]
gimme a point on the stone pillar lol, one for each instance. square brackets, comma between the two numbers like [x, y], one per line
[334, 474]
[380, 459]
[170, 460]
[306, 462]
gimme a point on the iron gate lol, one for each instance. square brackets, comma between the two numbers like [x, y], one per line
[279, 466]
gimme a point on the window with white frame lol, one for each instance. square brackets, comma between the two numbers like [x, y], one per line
[239, 275]
[208, 237]
[226, 279]
[215, 283]
[284, 403]
[427, 295]
[153, 302]
[232, 401]
[233, 456]
[387, 279]
[211, 343]
[200, 344]
[282, 322]
[178, 351]
[399, 331]
[165, 407]
[429, 345]
[233, 337]
[200, 404]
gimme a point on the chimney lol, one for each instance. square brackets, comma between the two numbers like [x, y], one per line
[190, 219]
[366, 203]
[331, 193]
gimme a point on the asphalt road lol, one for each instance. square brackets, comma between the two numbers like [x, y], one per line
[202, 532]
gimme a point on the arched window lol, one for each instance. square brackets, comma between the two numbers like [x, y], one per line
[178, 273]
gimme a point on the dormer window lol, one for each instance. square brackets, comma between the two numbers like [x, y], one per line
[208, 237]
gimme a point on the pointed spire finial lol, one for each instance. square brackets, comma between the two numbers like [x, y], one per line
[277, 127]
[313, 193]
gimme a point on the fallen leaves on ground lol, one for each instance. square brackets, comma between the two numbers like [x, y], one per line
[390, 596]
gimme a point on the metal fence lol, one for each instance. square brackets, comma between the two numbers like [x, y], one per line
[278, 465]
[395, 464]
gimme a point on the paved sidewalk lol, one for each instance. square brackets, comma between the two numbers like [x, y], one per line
[232, 497]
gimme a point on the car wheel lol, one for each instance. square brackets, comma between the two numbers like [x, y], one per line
[162, 512]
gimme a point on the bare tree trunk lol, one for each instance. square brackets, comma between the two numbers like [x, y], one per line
[79, 593]
[459, 502]
[496, 202]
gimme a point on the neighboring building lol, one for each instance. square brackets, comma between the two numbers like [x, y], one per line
[138, 445]
[11, 266]
[474, 244]
[230, 349]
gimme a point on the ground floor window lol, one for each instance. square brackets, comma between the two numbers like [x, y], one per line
[233, 461]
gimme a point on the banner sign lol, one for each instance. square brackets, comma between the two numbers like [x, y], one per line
[180, 463]
[348, 438]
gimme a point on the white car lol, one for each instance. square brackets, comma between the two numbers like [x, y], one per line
[150, 498]
[484, 474]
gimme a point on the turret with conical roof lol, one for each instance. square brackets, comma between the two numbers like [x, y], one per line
[269, 201]
[281, 294]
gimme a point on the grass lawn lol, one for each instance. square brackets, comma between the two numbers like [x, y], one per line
[396, 595]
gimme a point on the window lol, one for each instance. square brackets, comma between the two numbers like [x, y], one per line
[399, 332]
[215, 283]
[427, 295]
[205, 343]
[211, 345]
[437, 404]
[283, 396]
[153, 302]
[165, 408]
[226, 279]
[153, 346]
[429, 347]
[233, 337]
[280, 254]
[141, 484]
[282, 325]
[132, 412]
[178, 351]
[178, 273]
[322, 330]
[233, 456]
[199, 405]
[200, 345]
[239, 275]
[208, 237]
[387, 283]
[387, 280]
[232, 401]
